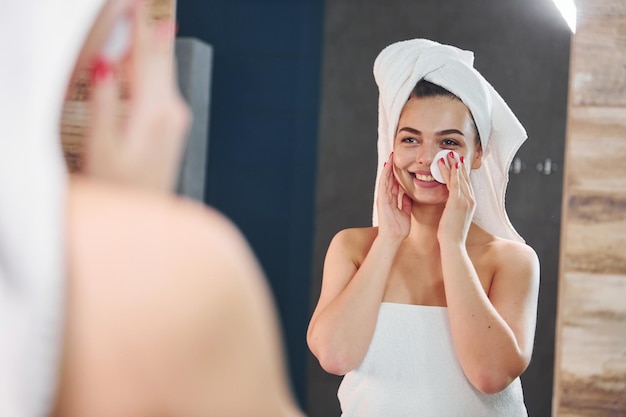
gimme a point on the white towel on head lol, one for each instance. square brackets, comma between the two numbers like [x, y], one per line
[397, 70]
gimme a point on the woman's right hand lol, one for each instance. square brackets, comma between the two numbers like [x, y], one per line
[393, 222]
[144, 148]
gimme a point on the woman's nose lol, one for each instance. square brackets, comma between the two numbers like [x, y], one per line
[426, 154]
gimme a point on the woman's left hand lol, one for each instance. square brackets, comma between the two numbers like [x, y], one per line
[459, 210]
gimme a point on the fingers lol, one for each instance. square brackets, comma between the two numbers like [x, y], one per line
[138, 51]
[154, 97]
[387, 173]
[151, 51]
[103, 114]
[395, 187]
[406, 204]
[454, 171]
[458, 177]
[162, 43]
[103, 95]
[445, 171]
[463, 179]
[388, 185]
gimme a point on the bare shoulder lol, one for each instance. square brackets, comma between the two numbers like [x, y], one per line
[142, 209]
[110, 221]
[514, 254]
[353, 243]
[516, 267]
[189, 277]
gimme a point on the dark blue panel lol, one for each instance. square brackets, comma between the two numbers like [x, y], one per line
[270, 82]
[263, 139]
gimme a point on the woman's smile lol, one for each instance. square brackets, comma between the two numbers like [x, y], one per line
[424, 179]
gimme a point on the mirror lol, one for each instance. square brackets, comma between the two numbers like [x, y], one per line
[290, 179]
[522, 48]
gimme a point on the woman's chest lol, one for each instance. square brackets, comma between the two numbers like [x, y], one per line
[415, 279]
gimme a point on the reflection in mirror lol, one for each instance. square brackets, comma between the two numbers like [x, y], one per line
[528, 67]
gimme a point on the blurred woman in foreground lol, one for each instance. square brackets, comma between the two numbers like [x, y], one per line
[116, 297]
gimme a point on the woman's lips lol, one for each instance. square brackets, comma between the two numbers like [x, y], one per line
[424, 180]
[423, 177]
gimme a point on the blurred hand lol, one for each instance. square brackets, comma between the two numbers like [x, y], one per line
[138, 142]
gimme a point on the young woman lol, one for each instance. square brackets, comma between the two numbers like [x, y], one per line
[433, 311]
[117, 298]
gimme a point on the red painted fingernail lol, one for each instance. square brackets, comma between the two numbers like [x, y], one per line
[442, 160]
[100, 70]
[462, 159]
[456, 165]
[385, 164]
[451, 154]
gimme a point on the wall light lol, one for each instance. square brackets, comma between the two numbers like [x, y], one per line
[568, 11]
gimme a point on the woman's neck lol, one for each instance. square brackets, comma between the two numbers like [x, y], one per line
[424, 225]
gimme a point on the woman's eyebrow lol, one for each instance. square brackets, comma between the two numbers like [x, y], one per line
[410, 130]
[440, 133]
[449, 132]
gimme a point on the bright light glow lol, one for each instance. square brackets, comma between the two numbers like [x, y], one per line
[568, 11]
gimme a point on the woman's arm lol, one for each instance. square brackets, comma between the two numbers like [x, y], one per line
[343, 323]
[493, 333]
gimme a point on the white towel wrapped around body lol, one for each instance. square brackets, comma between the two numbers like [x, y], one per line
[411, 370]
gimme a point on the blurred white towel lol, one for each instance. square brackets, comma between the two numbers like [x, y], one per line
[40, 41]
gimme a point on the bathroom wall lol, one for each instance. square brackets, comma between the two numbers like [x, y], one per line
[263, 134]
[522, 48]
[591, 345]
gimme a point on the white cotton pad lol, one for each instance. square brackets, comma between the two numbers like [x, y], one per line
[434, 166]
[119, 40]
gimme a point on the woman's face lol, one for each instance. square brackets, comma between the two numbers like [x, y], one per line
[426, 126]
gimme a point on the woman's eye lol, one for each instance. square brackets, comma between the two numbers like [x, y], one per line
[409, 140]
[450, 142]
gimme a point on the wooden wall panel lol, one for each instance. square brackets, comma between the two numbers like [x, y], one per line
[590, 370]
[599, 54]
[596, 149]
[592, 345]
[75, 112]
